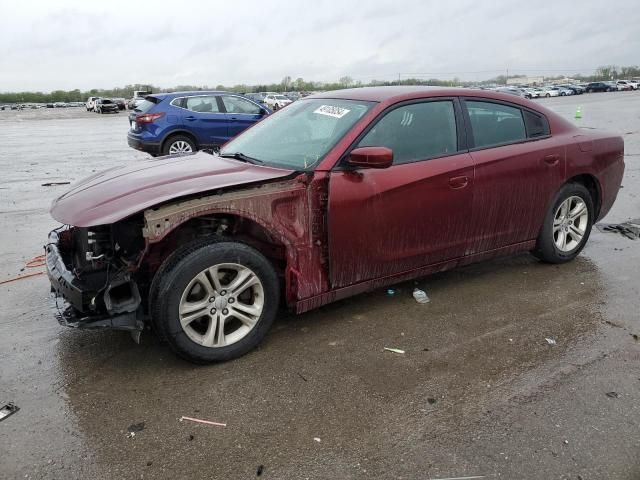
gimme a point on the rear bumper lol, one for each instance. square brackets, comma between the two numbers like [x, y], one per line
[80, 306]
[143, 145]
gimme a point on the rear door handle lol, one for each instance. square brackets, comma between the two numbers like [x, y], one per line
[190, 118]
[552, 159]
[458, 182]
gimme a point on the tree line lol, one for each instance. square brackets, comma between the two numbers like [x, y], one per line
[607, 72]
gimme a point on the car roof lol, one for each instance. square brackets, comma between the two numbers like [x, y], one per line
[394, 94]
[185, 93]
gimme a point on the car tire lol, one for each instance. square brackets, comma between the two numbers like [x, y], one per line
[190, 305]
[562, 238]
[178, 145]
[547, 95]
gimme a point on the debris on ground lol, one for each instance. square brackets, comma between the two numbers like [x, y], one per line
[391, 292]
[551, 341]
[459, 478]
[420, 296]
[431, 400]
[612, 394]
[317, 439]
[8, 410]
[630, 229]
[394, 350]
[131, 434]
[20, 277]
[53, 184]
[136, 427]
[206, 422]
[260, 470]
[635, 336]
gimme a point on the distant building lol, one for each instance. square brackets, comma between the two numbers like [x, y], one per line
[525, 81]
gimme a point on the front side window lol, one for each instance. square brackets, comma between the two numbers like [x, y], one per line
[416, 132]
[202, 104]
[239, 105]
[495, 123]
[299, 136]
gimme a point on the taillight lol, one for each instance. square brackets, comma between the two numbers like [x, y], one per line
[149, 117]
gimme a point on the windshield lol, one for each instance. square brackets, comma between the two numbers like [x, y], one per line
[299, 136]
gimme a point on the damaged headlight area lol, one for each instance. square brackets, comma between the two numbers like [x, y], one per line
[92, 276]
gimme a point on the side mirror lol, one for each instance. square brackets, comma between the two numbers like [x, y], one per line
[371, 157]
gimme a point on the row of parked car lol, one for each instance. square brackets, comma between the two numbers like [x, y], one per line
[569, 89]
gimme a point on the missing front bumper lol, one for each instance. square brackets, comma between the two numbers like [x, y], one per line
[116, 304]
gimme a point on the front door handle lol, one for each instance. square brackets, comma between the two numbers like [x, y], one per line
[459, 182]
[190, 118]
[552, 159]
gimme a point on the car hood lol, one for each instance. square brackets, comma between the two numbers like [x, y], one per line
[119, 192]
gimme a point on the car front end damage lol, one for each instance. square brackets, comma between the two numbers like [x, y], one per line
[92, 275]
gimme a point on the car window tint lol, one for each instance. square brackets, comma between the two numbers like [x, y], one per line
[416, 132]
[537, 125]
[239, 105]
[495, 124]
[202, 104]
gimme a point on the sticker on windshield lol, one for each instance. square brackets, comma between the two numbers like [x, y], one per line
[331, 111]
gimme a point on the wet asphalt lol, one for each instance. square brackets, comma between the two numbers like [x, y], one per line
[478, 391]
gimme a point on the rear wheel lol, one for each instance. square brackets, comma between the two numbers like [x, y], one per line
[215, 302]
[179, 145]
[567, 225]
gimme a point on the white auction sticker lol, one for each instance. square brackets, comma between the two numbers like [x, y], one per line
[331, 111]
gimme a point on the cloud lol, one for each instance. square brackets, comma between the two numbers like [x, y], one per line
[78, 44]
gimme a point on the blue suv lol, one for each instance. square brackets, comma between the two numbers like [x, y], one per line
[183, 122]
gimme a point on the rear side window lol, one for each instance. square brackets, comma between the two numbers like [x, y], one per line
[537, 125]
[495, 123]
[416, 132]
[202, 104]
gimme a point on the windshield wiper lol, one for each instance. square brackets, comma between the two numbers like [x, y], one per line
[242, 157]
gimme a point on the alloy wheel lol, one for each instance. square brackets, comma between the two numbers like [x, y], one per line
[180, 147]
[570, 223]
[221, 305]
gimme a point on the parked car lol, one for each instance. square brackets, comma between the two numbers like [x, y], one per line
[600, 87]
[562, 91]
[549, 92]
[324, 200]
[183, 122]
[256, 97]
[531, 93]
[121, 102]
[276, 101]
[91, 104]
[576, 89]
[106, 105]
[627, 84]
[519, 92]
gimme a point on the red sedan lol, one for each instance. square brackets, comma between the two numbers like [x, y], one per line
[337, 194]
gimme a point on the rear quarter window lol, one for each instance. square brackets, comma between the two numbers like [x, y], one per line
[537, 125]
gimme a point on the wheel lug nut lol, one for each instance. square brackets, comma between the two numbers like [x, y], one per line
[231, 300]
[213, 310]
[212, 299]
[225, 311]
[223, 292]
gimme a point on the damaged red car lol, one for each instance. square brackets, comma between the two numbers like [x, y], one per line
[337, 194]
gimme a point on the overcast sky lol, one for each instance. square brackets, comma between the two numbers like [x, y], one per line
[66, 44]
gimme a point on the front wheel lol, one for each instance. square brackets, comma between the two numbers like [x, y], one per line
[215, 301]
[567, 225]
